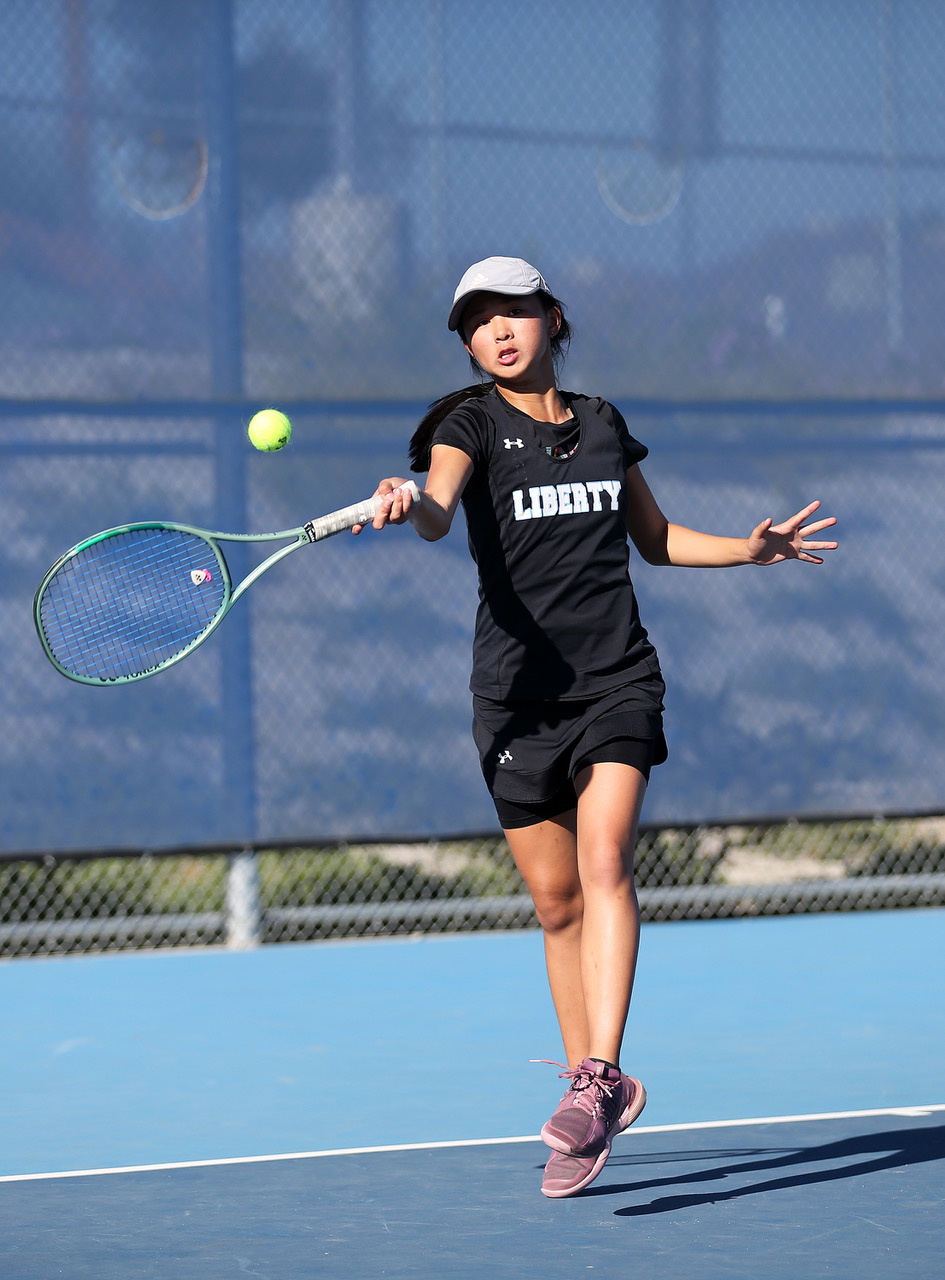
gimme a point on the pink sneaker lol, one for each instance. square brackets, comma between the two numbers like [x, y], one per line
[567, 1175]
[600, 1103]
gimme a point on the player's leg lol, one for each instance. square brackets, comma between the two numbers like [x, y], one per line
[610, 797]
[602, 1100]
[578, 868]
[546, 855]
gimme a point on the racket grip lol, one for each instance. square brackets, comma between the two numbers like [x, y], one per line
[360, 513]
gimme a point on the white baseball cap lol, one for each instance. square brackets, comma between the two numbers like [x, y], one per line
[512, 276]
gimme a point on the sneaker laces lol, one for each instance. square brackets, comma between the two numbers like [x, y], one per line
[597, 1100]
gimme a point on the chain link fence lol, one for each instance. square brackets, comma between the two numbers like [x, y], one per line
[205, 208]
[191, 898]
[275, 197]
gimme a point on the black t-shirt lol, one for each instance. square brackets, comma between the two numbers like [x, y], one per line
[546, 514]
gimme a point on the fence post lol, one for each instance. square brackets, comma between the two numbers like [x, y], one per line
[227, 384]
[243, 912]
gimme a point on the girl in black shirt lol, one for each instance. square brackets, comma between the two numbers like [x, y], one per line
[567, 686]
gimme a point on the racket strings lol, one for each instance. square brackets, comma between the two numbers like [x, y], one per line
[132, 602]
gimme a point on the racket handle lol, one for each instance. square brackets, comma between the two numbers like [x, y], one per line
[360, 513]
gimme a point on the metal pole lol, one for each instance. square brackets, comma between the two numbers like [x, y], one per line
[243, 912]
[348, 26]
[436, 239]
[223, 190]
[77, 79]
[226, 377]
[892, 215]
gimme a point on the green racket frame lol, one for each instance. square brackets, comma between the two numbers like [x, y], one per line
[313, 531]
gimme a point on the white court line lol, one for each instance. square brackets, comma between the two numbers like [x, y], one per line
[464, 1142]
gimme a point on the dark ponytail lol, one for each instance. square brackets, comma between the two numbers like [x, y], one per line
[421, 442]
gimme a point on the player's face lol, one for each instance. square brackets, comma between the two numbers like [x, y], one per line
[510, 337]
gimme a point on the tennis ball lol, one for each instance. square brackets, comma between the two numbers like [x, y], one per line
[270, 430]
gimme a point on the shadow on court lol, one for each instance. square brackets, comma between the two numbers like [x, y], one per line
[850, 1202]
[891, 1149]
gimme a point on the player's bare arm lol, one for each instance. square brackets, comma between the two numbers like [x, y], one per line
[449, 473]
[660, 542]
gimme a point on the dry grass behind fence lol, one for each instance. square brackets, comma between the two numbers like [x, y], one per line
[90, 903]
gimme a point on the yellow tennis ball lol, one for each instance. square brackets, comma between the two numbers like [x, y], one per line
[270, 430]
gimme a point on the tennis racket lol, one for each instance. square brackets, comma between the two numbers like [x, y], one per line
[132, 601]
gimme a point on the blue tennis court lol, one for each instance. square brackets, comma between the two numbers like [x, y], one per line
[369, 1108]
[843, 1196]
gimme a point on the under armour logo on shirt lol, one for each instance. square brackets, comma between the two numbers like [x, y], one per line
[505, 757]
[508, 443]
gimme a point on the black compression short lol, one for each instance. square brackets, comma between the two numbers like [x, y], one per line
[638, 752]
[531, 752]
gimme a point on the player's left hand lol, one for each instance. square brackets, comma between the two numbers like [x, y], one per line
[771, 543]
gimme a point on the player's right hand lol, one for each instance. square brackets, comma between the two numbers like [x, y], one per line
[395, 503]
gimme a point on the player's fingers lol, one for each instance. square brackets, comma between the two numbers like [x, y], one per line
[793, 523]
[818, 525]
[382, 515]
[401, 503]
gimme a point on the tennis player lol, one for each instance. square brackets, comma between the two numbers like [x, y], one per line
[567, 689]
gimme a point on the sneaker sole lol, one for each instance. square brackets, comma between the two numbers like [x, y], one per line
[630, 1113]
[564, 1192]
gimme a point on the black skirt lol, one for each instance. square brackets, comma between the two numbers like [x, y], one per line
[530, 750]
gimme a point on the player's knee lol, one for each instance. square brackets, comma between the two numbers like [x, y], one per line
[558, 910]
[606, 867]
